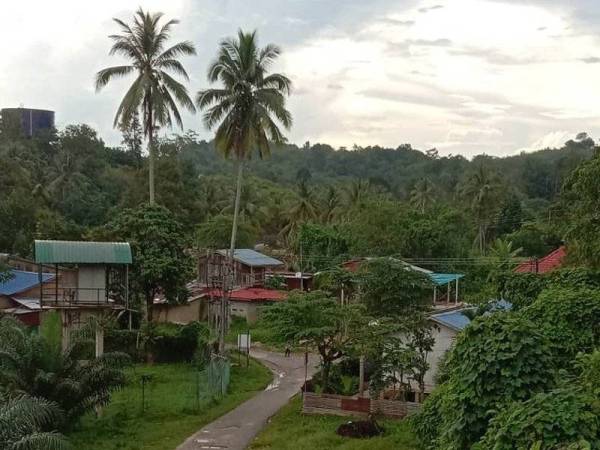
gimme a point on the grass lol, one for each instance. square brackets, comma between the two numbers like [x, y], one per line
[289, 429]
[172, 411]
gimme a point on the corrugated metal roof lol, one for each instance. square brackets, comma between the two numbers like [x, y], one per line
[80, 252]
[457, 321]
[21, 281]
[444, 278]
[454, 320]
[252, 258]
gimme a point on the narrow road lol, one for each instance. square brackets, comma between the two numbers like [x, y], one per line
[236, 429]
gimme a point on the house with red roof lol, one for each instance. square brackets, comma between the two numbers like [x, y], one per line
[548, 263]
[245, 302]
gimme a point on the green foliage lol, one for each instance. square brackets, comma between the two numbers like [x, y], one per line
[179, 343]
[319, 321]
[30, 364]
[555, 419]
[427, 423]
[25, 423]
[391, 287]
[157, 241]
[322, 246]
[579, 197]
[215, 233]
[569, 317]
[497, 359]
[521, 289]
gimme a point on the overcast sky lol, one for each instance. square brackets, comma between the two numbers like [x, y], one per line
[465, 76]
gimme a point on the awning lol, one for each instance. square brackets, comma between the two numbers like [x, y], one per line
[444, 278]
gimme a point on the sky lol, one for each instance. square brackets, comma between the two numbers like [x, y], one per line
[464, 76]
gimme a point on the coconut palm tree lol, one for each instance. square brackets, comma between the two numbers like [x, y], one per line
[245, 110]
[482, 190]
[331, 205]
[422, 194]
[154, 93]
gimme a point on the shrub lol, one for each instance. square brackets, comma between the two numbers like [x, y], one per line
[427, 422]
[176, 343]
[125, 341]
[558, 418]
[497, 359]
[570, 318]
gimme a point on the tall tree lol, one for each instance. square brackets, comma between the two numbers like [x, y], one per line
[154, 92]
[422, 194]
[482, 189]
[244, 111]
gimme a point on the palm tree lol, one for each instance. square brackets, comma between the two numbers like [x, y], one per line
[24, 421]
[302, 212]
[482, 189]
[154, 92]
[331, 205]
[422, 194]
[358, 191]
[244, 111]
[30, 364]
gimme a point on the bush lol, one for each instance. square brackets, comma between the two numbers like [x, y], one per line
[176, 343]
[125, 341]
[497, 359]
[521, 289]
[570, 318]
[426, 423]
[558, 418]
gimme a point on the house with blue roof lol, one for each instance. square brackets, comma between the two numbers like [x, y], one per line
[20, 294]
[250, 268]
[448, 324]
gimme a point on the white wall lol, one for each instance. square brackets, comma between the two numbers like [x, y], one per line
[94, 279]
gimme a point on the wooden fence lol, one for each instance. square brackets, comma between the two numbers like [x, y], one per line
[340, 405]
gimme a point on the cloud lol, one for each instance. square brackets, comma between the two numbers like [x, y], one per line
[397, 22]
[553, 139]
[426, 9]
[591, 60]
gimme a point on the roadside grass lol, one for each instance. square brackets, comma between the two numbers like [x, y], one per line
[289, 429]
[172, 412]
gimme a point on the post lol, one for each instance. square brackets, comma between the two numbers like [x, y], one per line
[127, 293]
[448, 295]
[40, 280]
[434, 294]
[305, 370]
[342, 295]
[361, 376]
[56, 284]
[99, 341]
[456, 293]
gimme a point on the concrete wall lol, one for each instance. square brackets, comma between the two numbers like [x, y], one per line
[182, 314]
[444, 338]
[247, 310]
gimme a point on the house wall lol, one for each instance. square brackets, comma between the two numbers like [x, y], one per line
[91, 283]
[444, 338]
[5, 302]
[247, 310]
[182, 314]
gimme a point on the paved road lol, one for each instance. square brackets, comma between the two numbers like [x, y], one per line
[236, 429]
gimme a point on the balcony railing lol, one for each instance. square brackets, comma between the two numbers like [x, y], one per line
[77, 296]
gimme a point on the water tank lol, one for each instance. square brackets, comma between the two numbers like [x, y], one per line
[31, 120]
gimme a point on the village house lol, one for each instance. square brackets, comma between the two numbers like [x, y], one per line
[552, 261]
[250, 268]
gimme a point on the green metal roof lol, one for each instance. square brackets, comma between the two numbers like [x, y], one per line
[79, 252]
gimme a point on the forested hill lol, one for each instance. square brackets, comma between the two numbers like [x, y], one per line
[66, 184]
[534, 175]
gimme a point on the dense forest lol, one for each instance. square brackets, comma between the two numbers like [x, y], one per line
[315, 200]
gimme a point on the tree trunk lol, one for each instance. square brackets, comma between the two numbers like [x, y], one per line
[226, 287]
[361, 376]
[325, 376]
[151, 153]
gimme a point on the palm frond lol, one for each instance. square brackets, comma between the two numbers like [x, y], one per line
[105, 75]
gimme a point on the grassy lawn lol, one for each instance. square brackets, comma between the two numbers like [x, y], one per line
[172, 411]
[290, 430]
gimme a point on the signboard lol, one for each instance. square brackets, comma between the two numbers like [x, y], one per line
[244, 342]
